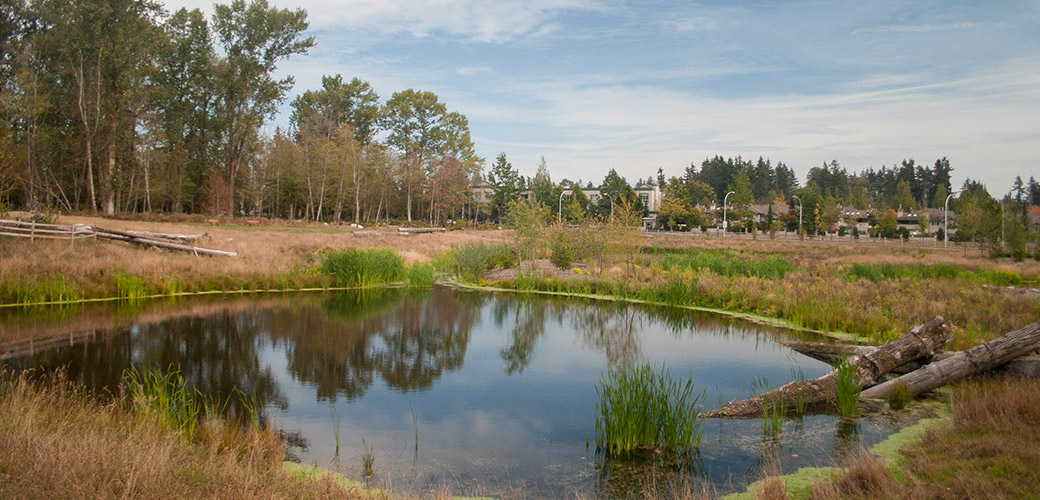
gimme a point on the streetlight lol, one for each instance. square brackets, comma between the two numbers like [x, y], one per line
[559, 210]
[799, 213]
[725, 222]
[611, 198]
[946, 218]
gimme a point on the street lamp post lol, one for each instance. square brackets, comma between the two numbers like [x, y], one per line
[725, 222]
[559, 209]
[946, 218]
[611, 198]
[799, 213]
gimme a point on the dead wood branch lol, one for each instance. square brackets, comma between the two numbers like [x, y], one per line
[922, 340]
[978, 359]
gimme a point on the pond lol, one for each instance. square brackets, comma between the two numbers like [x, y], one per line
[469, 392]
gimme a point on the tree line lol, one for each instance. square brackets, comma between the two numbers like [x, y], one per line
[117, 105]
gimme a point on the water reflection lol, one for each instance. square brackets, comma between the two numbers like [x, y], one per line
[446, 384]
[406, 341]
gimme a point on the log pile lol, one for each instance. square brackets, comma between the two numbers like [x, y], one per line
[172, 241]
[161, 240]
[916, 354]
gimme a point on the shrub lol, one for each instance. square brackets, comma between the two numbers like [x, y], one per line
[470, 261]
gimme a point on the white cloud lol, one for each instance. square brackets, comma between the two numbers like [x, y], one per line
[472, 20]
[916, 28]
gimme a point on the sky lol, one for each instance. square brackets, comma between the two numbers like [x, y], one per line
[636, 86]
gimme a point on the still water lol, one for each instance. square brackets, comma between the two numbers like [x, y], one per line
[469, 392]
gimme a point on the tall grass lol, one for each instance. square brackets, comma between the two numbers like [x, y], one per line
[351, 267]
[774, 411]
[165, 398]
[644, 407]
[470, 261]
[58, 442]
[942, 270]
[848, 389]
[729, 264]
[55, 288]
[130, 287]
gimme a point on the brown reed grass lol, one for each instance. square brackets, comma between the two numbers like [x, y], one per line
[57, 443]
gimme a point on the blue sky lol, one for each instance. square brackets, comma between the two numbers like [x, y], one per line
[593, 85]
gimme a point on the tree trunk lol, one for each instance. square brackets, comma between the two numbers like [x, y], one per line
[978, 359]
[922, 340]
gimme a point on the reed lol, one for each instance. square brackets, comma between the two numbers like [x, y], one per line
[899, 397]
[420, 275]
[165, 398]
[130, 287]
[642, 407]
[351, 267]
[848, 389]
[774, 411]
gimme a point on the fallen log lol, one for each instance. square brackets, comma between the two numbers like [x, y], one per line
[162, 236]
[421, 230]
[978, 359]
[922, 340]
[123, 236]
[832, 354]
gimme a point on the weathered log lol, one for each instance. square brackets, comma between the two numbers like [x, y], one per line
[122, 236]
[922, 340]
[833, 354]
[163, 236]
[978, 359]
[420, 230]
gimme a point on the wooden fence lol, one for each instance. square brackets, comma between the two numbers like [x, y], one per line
[33, 230]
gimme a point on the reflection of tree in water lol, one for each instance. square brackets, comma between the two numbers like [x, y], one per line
[612, 329]
[529, 317]
[408, 339]
[218, 354]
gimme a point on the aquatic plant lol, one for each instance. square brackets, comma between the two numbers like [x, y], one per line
[899, 397]
[774, 411]
[643, 407]
[130, 287]
[420, 275]
[352, 267]
[166, 398]
[368, 460]
[848, 389]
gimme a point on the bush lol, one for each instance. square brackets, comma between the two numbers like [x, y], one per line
[564, 248]
[352, 267]
[473, 259]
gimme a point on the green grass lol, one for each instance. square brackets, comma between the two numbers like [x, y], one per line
[420, 275]
[774, 411]
[470, 261]
[644, 407]
[730, 264]
[848, 389]
[351, 267]
[918, 272]
[166, 398]
[130, 287]
[55, 288]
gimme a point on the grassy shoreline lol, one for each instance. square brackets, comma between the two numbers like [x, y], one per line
[810, 288]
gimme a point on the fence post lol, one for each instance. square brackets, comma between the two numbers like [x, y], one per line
[32, 231]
